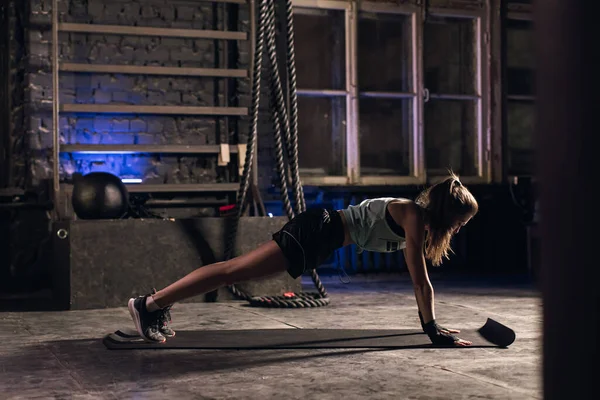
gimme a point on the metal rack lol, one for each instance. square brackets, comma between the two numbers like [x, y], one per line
[57, 108]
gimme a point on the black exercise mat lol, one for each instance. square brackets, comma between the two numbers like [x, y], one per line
[287, 339]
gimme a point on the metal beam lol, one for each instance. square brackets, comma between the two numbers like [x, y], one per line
[147, 31]
[149, 70]
[183, 188]
[170, 110]
[144, 148]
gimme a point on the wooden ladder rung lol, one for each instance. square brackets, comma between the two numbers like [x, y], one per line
[171, 110]
[148, 31]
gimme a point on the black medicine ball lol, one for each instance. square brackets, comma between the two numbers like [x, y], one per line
[100, 195]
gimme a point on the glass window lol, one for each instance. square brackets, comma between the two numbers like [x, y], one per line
[386, 102]
[385, 129]
[520, 58]
[320, 49]
[384, 53]
[449, 55]
[322, 135]
[321, 68]
[451, 136]
[451, 74]
[520, 101]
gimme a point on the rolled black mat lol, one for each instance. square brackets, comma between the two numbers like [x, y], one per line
[127, 339]
[494, 332]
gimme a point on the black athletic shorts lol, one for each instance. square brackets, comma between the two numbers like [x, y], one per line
[310, 238]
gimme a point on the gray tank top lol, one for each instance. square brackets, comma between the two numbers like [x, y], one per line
[369, 228]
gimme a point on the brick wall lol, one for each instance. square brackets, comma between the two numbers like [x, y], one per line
[14, 167]
[31, 79]
[133, 89]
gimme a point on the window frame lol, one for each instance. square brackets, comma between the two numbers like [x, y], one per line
[328, 93]
[416, 144]
[481, 97]
[418, 170]
[508, 98]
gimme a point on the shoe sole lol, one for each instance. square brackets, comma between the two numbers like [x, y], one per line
[169, 336]
[135, 315]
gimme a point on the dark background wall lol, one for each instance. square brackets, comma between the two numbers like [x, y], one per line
[31, 105]
[494, 242]
[133, 89]
[13, 60]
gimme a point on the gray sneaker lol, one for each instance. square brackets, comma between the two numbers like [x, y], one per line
[164, 321]
[146, 322]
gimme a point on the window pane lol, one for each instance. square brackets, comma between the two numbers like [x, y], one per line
[385, 129]
[520, 130]
[384, 53]
[520, 58]
[322, 135]
[450, 136]
[450, 55]
[320, 49]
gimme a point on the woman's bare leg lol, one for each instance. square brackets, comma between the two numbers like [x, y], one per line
[268, 259]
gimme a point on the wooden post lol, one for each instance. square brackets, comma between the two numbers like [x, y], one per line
[567, 160]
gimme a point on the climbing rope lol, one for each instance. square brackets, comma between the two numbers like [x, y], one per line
[251, 143]
[285, 131]
[293, 99]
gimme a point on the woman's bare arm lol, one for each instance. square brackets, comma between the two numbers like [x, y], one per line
[415, 260]
[410, 219]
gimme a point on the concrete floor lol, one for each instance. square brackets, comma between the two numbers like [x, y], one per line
[59, 355]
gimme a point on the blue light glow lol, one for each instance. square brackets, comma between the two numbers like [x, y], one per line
[129, 165]
[133, 167]
[106, 152]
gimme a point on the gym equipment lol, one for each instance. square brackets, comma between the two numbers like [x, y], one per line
[288, 142]
[256, 339]
[494, 332]
[100, 195]
[99, 264]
